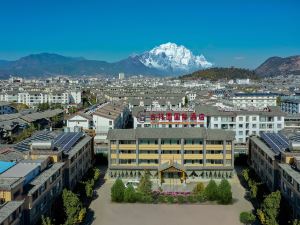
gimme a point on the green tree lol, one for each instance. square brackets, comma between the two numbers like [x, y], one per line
[89, 188]
[96, 174]
[269, 210]
[245, 174]
[199, 188]
[117, 191]
[81, 215]
[46, 221]
[145, 185]
[72, 206]
[247, 218]
[296, 222]
[129, 194]
[186, 100]
[224, 192]
[211, 191]
[253, 188]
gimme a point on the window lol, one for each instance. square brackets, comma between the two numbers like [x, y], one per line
[254, 118]
[240, 118]
[215, 125]
[240, 133]
[110, 122]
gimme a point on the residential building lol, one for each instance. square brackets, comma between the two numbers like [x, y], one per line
[254, 100]
[290, 105]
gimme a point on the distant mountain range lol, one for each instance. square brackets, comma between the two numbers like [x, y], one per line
[275, 66]
[166, 59]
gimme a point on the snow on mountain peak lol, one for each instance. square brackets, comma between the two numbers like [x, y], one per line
[173, 58]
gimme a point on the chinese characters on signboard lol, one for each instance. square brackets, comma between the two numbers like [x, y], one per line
[177, 116]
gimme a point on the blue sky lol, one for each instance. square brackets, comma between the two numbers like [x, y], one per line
[240, 33]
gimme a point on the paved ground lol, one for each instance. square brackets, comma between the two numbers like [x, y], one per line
[103, 212]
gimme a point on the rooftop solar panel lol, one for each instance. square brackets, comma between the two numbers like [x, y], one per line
[276, 142]
[66, 141]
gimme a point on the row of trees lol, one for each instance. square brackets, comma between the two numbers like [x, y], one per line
[73, 202]
[212, 192]
[46, 106]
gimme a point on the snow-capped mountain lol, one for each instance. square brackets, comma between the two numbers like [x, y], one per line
[166, 59]
[173, 58]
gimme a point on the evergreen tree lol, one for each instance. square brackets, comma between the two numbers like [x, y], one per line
[224, 192]
[129, 194]
[145, 185]
[211, 191]
[199, 188]
[117, 191]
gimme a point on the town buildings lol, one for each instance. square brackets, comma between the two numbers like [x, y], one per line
[276, 158]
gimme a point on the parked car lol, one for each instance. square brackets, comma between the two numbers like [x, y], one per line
[134, 183]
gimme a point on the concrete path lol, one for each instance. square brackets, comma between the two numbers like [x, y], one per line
[103, 212]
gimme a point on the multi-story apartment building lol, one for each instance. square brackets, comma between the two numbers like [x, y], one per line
[162, 118]
[9, 96]
[52, 161]
[11, 213]
[290, 105]
[34, 98]
[109, 116]
[275, 159]
[253, 100]
[183, 153]
[82, 120]
[243, 122]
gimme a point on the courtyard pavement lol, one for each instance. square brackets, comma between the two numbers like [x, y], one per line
[103, 212]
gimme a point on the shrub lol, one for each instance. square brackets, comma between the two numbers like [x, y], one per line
[129, 194]
[201, 197]
[192, 199]
[199, 188]
[247, 218]
[161, 198]
[211, 191]
[245, 174]
[224, 192]
[139, 196]
[170, 199]
[145, 185]
[148, 199]
[96, 174]
[82, 214]
[117, 191]
[89, 188]
[181, 199]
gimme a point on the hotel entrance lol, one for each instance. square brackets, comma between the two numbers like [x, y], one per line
[172, 172]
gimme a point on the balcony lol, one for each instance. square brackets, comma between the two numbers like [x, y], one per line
[170, 147]
[214, 147]
[214, 156]
[148, 156]
[193, 147]
[193, 156]
[148, 147]
[127, 156]
[127, 146]
[170, 156]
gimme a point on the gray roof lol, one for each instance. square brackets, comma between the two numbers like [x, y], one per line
[44, 176]
[263, 146]
[215, 111]
[170, 133]
[8, 183]
[290, 171]
[8, 208]
[20, 170]
[79, 145]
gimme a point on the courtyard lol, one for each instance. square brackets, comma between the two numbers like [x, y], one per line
[103, 212]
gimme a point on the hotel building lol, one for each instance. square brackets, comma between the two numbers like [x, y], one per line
[183, 153]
